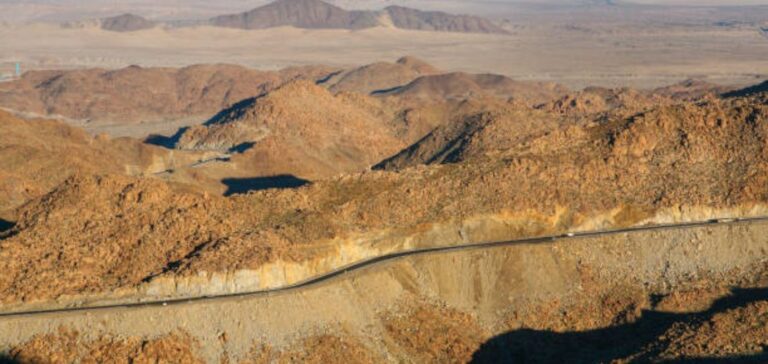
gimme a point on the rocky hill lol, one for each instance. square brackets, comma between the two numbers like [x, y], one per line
[459, 85]
[193, 94]
[137, 94]
[380, 77]
[614, 170]
[37, 155]
[126, 23]
[317, 14]
[303, 129]
[93, 224]
[692, 89]
[476, 129]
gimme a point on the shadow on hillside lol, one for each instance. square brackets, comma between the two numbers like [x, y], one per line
[328, 77]
[166, 141]
[386, 91]
[5, 359]
[5, 228]
[233, 112]
[5, 225]
[609, 344]
[244, 185]
[241, 148]
[763, 87]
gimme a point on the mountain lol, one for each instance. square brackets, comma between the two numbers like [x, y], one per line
[460, 85]
[474, 130]
[37, 155]
[310, 14]
[149, 95]
[300, 129]
[126, 23]
[317, 14]
[594, 100]
[407, 18]
[490, 127]
[380, 76]
[135, 94]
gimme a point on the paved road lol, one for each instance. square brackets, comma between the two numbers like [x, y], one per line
[390, 257]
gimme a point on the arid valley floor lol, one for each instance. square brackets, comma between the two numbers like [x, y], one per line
[305, 183]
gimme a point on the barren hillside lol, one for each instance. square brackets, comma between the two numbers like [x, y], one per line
[462, 85]
[36, 156]
[620, 171]
[382, 76]
[136, 94]
[277, 190]
[101, 99]
[304, 129]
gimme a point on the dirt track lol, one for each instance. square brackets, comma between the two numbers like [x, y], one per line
[491, 285]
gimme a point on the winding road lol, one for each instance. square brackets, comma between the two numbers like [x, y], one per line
[324, 278]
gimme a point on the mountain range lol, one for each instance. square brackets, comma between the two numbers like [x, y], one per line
[318, 14]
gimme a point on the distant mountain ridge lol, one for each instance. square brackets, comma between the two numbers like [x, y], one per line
[318, 14]
[313, 14]
[408, 18]
[126, 23]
